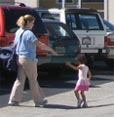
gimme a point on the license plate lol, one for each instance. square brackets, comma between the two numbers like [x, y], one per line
[86, 41]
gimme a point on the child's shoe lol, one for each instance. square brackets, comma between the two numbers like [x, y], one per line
[79, 103]
[85, 105]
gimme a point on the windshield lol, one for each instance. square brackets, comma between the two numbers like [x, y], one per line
[57, 30]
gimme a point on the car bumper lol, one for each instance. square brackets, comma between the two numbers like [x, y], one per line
[110, 54]
[55, 59]
[94, 50]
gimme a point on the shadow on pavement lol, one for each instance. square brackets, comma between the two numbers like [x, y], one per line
[54, 106]
[59, 106]
[102, 105]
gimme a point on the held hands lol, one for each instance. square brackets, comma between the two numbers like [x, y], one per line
[68, 63]
[89, 83]
[89, 78]
[71, 66]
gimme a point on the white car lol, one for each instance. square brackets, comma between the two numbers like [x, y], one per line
[87, 24]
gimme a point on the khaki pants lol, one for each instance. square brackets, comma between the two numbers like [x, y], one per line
[26, 68]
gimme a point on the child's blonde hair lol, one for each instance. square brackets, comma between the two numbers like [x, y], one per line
[22, 21]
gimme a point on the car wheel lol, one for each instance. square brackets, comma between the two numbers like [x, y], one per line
[110, 63]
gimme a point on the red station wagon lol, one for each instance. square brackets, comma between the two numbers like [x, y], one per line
[8, 17]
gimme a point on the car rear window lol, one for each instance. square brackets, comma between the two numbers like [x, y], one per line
[109, 26]
[59, 30]
[83, 21]
[11, 16]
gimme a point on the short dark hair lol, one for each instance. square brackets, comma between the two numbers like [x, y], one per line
[81, 58]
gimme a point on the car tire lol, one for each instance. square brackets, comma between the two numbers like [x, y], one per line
[110, 63]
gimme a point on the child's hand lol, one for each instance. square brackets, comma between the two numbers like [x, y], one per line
[67, 63]
[89, 81]
[88, 78]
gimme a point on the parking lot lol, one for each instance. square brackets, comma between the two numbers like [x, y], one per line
[64, 82]
[61, 99]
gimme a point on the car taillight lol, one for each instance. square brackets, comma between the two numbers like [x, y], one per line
[3, 41]
[106, 41]
[109, 41]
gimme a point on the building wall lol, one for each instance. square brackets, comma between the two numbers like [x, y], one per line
[97, 6]
[106, 8]
[110, 11]
[6, 1]
[46, 4]
[53, 3]
[31, 3]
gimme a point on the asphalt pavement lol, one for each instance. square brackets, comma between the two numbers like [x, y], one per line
[100, 100]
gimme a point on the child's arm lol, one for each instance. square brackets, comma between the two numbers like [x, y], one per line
[89, 75]
[72, 66]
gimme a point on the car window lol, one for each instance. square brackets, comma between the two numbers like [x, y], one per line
[71, 21]
[83, 21]
[12, 15]
[57, 30]
[50, 16]
[89, 22]
[109, 26]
